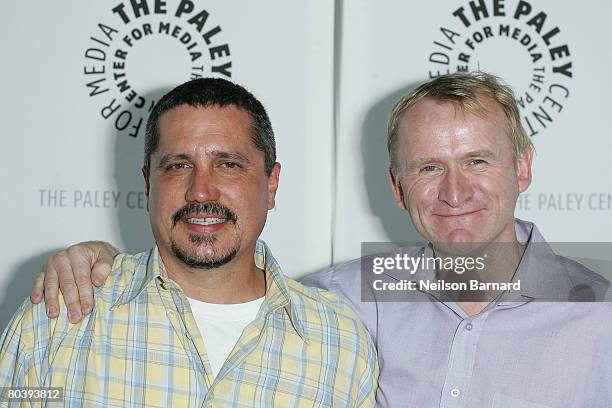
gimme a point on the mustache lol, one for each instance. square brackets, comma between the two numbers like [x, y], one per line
[210, 207]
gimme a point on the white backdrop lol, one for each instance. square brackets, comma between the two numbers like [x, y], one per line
[328, 73]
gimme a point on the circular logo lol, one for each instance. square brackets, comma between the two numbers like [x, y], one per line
[145, 44]
[516, 41]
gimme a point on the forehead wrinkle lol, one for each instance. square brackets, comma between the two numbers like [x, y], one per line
[484, 107]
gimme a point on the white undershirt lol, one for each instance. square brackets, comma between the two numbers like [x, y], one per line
[221, 326]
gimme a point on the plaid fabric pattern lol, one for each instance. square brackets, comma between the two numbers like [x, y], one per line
[141, 347]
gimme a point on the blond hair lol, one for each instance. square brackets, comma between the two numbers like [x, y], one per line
[464, 90]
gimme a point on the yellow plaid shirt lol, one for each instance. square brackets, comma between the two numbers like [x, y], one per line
[141, 347]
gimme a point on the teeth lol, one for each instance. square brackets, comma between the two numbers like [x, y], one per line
[205, 221]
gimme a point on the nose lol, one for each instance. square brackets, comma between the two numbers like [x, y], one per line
[203, 186]
[455, 188]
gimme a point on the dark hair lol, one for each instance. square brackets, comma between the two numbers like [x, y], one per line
[206, 92]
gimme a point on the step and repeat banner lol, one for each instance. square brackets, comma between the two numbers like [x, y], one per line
[79, 79]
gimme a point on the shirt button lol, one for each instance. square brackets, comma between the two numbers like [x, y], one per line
[170, 313]
[469, 326]
[455, 392]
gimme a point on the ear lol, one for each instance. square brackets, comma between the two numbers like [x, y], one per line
[524, 169]
[147, 187]
[398, 192]
[273, 185]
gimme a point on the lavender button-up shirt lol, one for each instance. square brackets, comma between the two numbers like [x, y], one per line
[535, 350]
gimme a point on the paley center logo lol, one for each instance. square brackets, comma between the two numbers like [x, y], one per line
[144, 44]
[516, 40]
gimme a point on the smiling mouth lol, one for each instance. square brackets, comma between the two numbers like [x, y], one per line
[207, 214]
[458, 215]
[205, 221]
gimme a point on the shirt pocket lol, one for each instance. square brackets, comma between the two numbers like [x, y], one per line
[501, 400]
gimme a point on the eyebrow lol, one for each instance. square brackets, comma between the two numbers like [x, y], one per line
[418, 163]
[167, 158]
[486, 154]
[231, 156]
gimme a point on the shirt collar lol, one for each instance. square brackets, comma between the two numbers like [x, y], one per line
[539, 271]
[543, 274]
[278, 293]
[150, 268]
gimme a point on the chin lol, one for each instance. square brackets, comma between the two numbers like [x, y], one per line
[445, 234]
[207, 258]
[458, 242]
[461, 236]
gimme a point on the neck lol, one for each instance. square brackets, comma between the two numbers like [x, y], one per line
[238, 281]
[500, 265]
